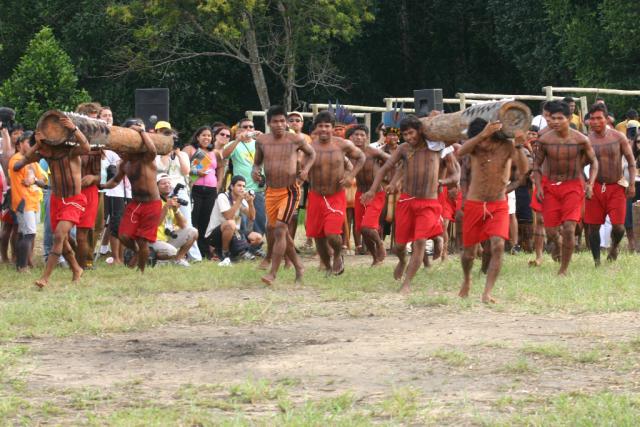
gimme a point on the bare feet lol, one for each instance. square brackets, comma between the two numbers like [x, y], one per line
[613, 254]
[41, 283]
[268, 279]
[464, 290]
[405, 289]
[597, 262]
[399, 270]
[377, 262]
[488, 299]
[299, 273]
[77, 274]
[381, 254]
[535, 262]
[264, 264]
[23, 270]
[562, 272]
[338, 265]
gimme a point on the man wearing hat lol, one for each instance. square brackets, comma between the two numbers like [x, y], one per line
[174, 236]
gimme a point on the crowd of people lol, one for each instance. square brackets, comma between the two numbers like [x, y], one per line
[233, 193]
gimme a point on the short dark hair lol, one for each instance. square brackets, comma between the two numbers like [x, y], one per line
[476, 126]
[132, 121]
[244, 119]
[568, 99]
[324, 117]
[350, 131]
[534, 128]
[410, 122]
[599, 98]
[632, 114]
[543, 105]
[276, 110]
[554, 107]
[16, 126]
[598, 107]
[25, 136]
[236, 179]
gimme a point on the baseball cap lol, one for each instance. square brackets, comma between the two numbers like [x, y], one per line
[295, 113]
[633, 124]
[162, 125]
[162, 176]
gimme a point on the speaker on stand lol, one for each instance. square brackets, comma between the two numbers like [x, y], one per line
[152, 105]
[427, 100]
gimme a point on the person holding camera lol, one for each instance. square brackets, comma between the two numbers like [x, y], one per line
[242, 152]
[223, 231]
[176, 165]
[174, 236]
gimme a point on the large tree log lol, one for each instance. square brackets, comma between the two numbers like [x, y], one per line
[452, 127]
[99, 134]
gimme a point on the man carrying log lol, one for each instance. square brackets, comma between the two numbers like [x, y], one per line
[278, 153]
[91, 165]
[486, 210]
[327, 198]
[563, 192]
[609, 196]
[418, 210]
[67, 203]
[141, 217]
[367, 217]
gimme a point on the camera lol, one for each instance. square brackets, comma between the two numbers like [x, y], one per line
[251, 193]
[262, 181]
[7, 116]
[175, 192]
[632, 133]
[170, 233]
[253, 134]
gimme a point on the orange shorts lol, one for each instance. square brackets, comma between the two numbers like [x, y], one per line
[368, 216]
[281, 203]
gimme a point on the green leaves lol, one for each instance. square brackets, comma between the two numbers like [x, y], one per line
[44, 79]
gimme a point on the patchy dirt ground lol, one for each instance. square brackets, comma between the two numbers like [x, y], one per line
[368, 356]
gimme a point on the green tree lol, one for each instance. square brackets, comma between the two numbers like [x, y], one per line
[44, 79]
[289, 40]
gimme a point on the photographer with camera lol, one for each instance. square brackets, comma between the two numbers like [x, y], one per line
[223, 231]
[176, 165]
[242, 152]
[174, 235]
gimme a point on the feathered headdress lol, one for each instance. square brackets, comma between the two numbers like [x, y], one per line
[391, 120]
[344, 119]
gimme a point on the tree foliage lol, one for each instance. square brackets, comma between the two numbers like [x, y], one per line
[43, 79]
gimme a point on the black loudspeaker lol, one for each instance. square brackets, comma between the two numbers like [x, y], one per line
[152, 105]
[426, 100]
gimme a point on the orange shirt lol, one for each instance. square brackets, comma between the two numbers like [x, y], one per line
[30, 194]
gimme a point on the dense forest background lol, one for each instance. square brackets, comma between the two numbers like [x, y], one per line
[222, 57]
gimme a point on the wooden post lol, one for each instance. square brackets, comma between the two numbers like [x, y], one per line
[548, 90]
[367, 121]
[388, 103]
[584, 106]
[267, 129]
[463, 101]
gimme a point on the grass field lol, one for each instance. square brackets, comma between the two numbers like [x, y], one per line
[213, 346]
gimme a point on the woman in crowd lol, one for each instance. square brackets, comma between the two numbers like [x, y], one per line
[204, 158]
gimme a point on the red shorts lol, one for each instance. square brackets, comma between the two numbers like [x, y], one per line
[325, 214]
[483, 220]
[562, 202]
[368, 216]
[535, 204]
[417, 219]
[448, 205]
[7, 217]
[612, 201]
[88, 218]
[68, 209]
[140, 220]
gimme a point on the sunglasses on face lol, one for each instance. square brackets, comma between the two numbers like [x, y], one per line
[225, 135]
[247, 126]
[295, 120]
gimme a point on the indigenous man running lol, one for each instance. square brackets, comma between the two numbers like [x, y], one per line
[139, 225]
[67, 203]
[91, 164]
[327, 199]
[608, 198]
[562, 194]
[418, 211]
[278, 152]
[486, 210]
[367, 217]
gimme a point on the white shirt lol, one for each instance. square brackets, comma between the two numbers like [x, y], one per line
[223, 204]
[123, 189]
[539, 121]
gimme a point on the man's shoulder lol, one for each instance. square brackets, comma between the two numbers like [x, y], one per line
[577, 136]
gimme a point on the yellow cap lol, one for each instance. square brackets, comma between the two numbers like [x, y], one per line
[163, 125]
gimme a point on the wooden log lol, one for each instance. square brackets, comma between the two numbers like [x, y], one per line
[99, 134]
[452, 127]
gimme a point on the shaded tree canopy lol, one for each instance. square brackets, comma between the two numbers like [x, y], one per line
[358, 51]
